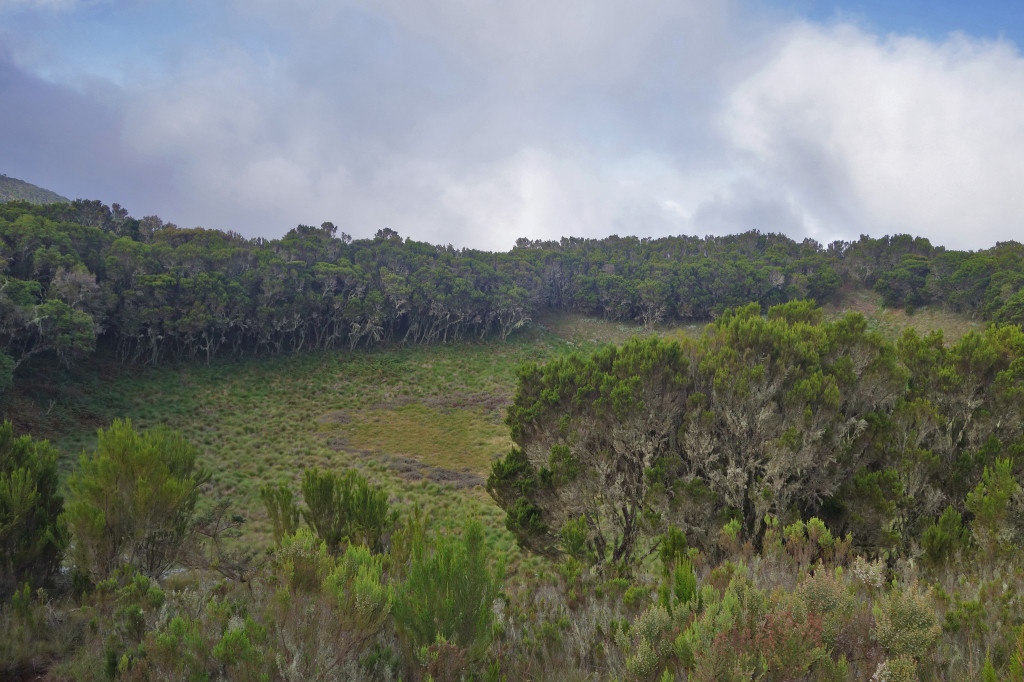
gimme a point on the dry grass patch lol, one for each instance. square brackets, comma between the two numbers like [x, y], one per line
[458, 439]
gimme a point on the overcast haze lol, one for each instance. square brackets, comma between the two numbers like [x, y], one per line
[474, 123]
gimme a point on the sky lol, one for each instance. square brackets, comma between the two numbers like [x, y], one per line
[476, 123]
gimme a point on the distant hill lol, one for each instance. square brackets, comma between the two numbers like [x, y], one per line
[13, 189]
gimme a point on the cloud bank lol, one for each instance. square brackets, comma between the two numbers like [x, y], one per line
[474, 125]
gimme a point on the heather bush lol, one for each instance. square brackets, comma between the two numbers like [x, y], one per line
[37, 631]
[905, 623]
[32, 535]
[119, 612]
[945, 540]
[132, 501]
[282, 510]
[989, 502]
[448, 593]
[789, 640]
[322, 613]
[678, 586]
[648, 643]
[344, 508]
[899, 669]
[824, 594]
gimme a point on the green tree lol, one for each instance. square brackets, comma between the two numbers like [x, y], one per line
[132, 501]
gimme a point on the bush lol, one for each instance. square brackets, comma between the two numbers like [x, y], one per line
[346, 509]
[281, 510]
[132, 501]
[32, 536]
[321, 612]
[448, 593]
[825, 595]
[946, 539]
[905, 623]
[651, 643]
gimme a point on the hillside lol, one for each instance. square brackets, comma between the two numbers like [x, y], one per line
[13, 189]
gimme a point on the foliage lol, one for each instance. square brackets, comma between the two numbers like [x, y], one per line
[132, 501]
[281, 509]
[989, 502]
[32, 537]
[906, 625]
[823, 426]
[448, 593]
[946, 539]
[345, 508]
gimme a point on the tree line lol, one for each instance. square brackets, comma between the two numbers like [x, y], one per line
[80, 276]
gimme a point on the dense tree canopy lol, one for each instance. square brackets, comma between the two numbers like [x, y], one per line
[75, 276]
[765, 417]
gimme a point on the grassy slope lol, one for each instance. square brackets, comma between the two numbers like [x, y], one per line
[424, 422]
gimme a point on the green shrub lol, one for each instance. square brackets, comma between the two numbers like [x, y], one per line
[132, 501]
[321, 612]
[346, 508]
[363, 596]
[32, 536]
[989, 502]
[673, 547]
[651, 644]
[899, 669]
[574, 539]
[121, 610]
[945, 539]
[905, 624]
[679, 586]
[281, 510]
[448, 593]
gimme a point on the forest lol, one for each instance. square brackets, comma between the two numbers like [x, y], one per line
[83, 274]
[782, 493]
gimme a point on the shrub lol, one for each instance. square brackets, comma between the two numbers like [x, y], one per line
[321, 612]
[905, 624]
[32, 536]
[899, 669]
[281, 510]
[989, 502]
[362, 595]
[448, 593]
[945, 539]
[346, 508]
[679, 586]
[651, 643]
[121, 610]
[133, 501]
[825, 595]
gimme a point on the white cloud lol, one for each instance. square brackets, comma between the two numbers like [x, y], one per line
[475, 124]
[890, 135]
